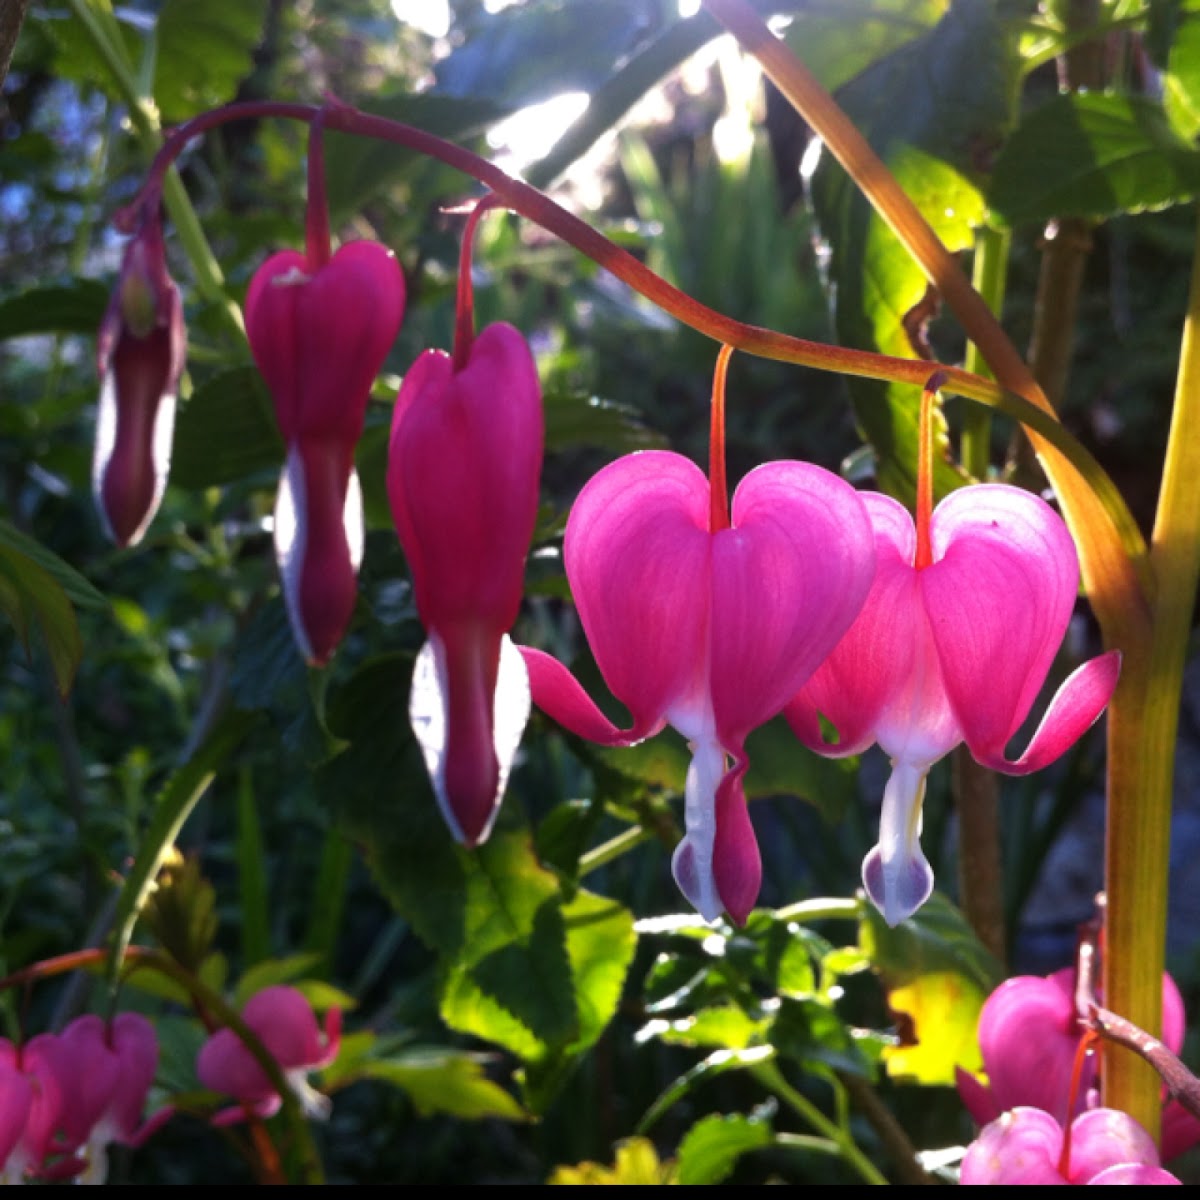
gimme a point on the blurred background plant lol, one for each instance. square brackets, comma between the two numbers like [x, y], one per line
[529, 1007]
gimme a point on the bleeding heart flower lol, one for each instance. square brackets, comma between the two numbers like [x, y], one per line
[1029, 1038]
[30, 1104]
[1028, 1146]
[952, 650]
[463, 468]
[284, 1022]
[140, 356]
[320, 336]
[108, 1071]
[709, 629]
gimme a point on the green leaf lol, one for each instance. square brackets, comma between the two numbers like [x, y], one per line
[573, 419]
[1181, 80]
[781, 765]
[717, 1063]
[226, 432]
[448, 1082]
[273, 971]
[74, 308]
[934, 110]
[711, 1148]
[204, 50]
[76, 57]
[837, 45]
[29, 595]
[358, 168]
[79, 591]
[724, 1026]
[1092, 154]
[173, 806]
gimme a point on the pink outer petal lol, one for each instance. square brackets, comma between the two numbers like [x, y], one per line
[853, 685]
[1028, 1036]
[1180, 1130]
[976, 1098]
[1133, 1175]
[225, 1065]
[16, 1099]
[638, 557]
[1102, 1138]
[285, 1022]
[788, 579]
[94, 1071]
[1021, 1147]
[999, 595]
[320, 338]
[318, 544]
[464, 465]
[136, 1045]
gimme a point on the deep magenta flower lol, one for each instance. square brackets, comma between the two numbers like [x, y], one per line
[139, 357]
[283, 1020]
[1029, 1036]
[710, 631]
[954, 650]
[1026, 1146]
[30, 1105]
[107, 1071]
[464, 464]
[320, 335]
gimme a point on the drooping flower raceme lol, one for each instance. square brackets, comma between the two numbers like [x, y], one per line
[140, 356]
[464, 464]
[284, 1022]
[320, 335]
[1029, 1147]
[1029, 1038]
[708, 631]
[954, 650]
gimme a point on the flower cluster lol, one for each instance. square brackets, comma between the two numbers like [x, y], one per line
[64, 1098]
[805, 597]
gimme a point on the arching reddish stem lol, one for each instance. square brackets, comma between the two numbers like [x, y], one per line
[718, 517]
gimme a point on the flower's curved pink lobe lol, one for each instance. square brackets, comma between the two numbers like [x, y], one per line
[284, 1022]
[38, 1095]
[710, 632]
[999, 595]
[1021, 1147]
[140, 357]
[1102, 1138]
[464, 467]
[953, 651]
[319, 337]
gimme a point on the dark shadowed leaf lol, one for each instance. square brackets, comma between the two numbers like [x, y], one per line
[30, 596]
[74, 308]
[1092, 155]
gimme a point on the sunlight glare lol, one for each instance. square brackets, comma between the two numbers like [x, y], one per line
[431, 17]
[528, 134]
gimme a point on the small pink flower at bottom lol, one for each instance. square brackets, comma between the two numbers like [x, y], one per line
[106, 1072]
[283, 1020]
[1026, 1146]
[30, 1105]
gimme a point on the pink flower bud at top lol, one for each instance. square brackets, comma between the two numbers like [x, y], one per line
[140, 357]
[320, 337]
[284, 1022]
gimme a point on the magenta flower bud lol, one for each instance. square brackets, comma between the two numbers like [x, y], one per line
[140, 357]
[31, 1100]
[112, 1068]
[283, 1020]
[320, 336]
[464, 465]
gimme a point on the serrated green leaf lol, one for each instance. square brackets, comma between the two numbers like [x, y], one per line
[574, 419]
[76, 57]
[79, 591]
[936, 938]
[711, 1148]
[448, 1082]
[1181, 80]
[74, 308]
[812, 1034]
[934, 110]
[226, 432]
[723, 1026]
[637, 1165]
[204, 50]
[717, 1063]
[1092, 154]
[30, 596]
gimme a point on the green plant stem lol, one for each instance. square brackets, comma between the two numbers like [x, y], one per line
[101, 26]
[890, 1132]
[611, 850]
[989, 275]
[771, 1077]
[1138, 844]
[976, 792]
[820, 910]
